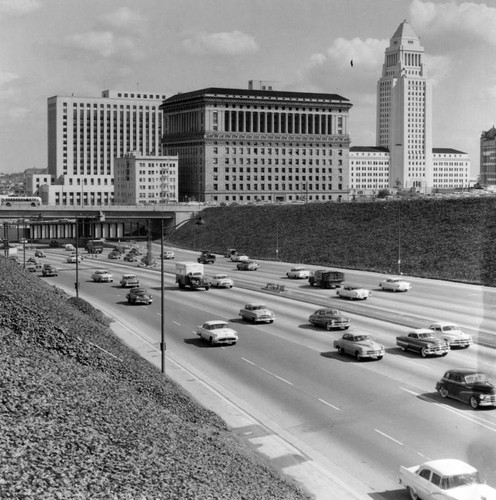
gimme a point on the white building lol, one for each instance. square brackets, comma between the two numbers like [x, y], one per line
[404, 103]
[145, 179]
[451, 169]
[369, 170]
[86, 134]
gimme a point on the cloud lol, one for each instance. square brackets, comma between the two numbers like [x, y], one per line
[105, 44]
[455, 23]
[125, 19]
[18, 7]
[7, 77]
[232, 43]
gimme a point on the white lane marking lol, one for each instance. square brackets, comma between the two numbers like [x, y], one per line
[267, 371]
[471, 418]
[176, 323]
[388, 437]
[329, 404]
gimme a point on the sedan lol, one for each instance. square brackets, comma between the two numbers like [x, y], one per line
[452, 334]
[40, 254]
[139, 296]
[72, 258]
[353, 292]
[395, 285]
[217, 332]
[239, 257]
[129, 281]
[168, 254]
[102, 275]
[360, 346]
[469, 386]
[247, 265]
[298, 272]
[221, 281]
[329, 319]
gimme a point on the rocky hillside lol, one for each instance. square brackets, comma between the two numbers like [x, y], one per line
[83, 416]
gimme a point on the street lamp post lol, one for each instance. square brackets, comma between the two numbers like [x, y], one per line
[399, 239]
[163, 346]
[76, 285]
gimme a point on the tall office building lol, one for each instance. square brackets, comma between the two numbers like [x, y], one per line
[404, 121]
[245, 145]
[488, 157]
[86, 134]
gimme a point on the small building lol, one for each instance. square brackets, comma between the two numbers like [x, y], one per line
[144, 180]
[369, 170]
[451, 169]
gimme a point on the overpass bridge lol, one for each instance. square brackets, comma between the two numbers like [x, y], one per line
[110, 222]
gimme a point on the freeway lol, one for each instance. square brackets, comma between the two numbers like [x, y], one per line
[363, 418]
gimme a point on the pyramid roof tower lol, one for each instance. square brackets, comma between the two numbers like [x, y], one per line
[405, 31]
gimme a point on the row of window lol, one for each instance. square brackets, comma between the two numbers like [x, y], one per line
[278, 187]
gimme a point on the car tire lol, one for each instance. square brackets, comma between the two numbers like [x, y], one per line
[211, 341]
[444, 354]
[474, 403]
[271, 321]
[423, 352]
[379, 357]
[357, 356]
[253, 320]
[328, 327]
[412, 493]
[403, 348]
[443, 391]
[341, 351]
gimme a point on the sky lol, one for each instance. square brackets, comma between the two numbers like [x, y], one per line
[81, 47]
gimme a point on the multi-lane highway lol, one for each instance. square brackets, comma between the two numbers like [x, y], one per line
[365, 418]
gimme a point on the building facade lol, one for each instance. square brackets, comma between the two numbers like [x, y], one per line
[404, 112]
[451, 169]
[238, 145]
[369, 170]
[488, 157]
[145, 180]
[86, 134]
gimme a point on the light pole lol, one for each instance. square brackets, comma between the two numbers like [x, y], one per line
[76, 285]
[399, 238]
[163, 346]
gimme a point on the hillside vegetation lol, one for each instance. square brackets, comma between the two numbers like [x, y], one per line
[83, 416]
[445, 239]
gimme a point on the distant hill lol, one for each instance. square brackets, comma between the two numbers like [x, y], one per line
[449, 239]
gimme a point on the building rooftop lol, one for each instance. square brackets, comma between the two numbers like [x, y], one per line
[243, 93]
[448, 151]
[368, 149]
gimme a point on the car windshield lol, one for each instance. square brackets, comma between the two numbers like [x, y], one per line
[217, 326]
[424, 335]
[332, 312]
[476, 377]
[460, 480]
[220, 277]
[361, 338]
[450, 328]
[258, 307]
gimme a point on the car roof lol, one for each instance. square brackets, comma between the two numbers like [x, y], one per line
[464, 371]
[444, 323]
[450, 467]
[421, 330]
[102, 271]
[128, 276]
[215, 322]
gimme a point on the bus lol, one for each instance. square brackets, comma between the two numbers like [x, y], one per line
[20, 201]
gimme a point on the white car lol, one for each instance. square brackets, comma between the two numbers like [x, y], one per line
[452, 334]
[395, 285]
[129, 281]
[217, 332]
[102, 275]
[72, 258]
[298, 272]
[221, 280]
[238, 258]
[353, 292]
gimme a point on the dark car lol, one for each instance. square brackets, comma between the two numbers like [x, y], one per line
[54, 244]
[329, 319]
[139, 296]
[131, 257]
[40, 254]
[469, 386]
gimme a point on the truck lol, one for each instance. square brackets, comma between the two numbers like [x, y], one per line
[326, 279]
[444, 479]
[190, 274]
[94, 246]
[206, 257]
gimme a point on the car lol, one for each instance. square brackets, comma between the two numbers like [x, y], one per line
[73, 259]
[329, 319]
[129, 281]
[206, 257]
[221, 281]
[360, 345]
[102, 275]
[131, 257]
[54, 244]
[395, 285]
[69, 247]
[135, 251]
[49, 270]
[33, 260]
[217, 332]
[353, 292]
[235, 257]
[139, 296]
[230, 252]
[452, 334]
[469, 386]
[31, 268]
[445, 479]
[423, 341]
[257, 313]
[40, 254]
[247, 265]
[298, 272]
[167, 254]
[114, 255]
